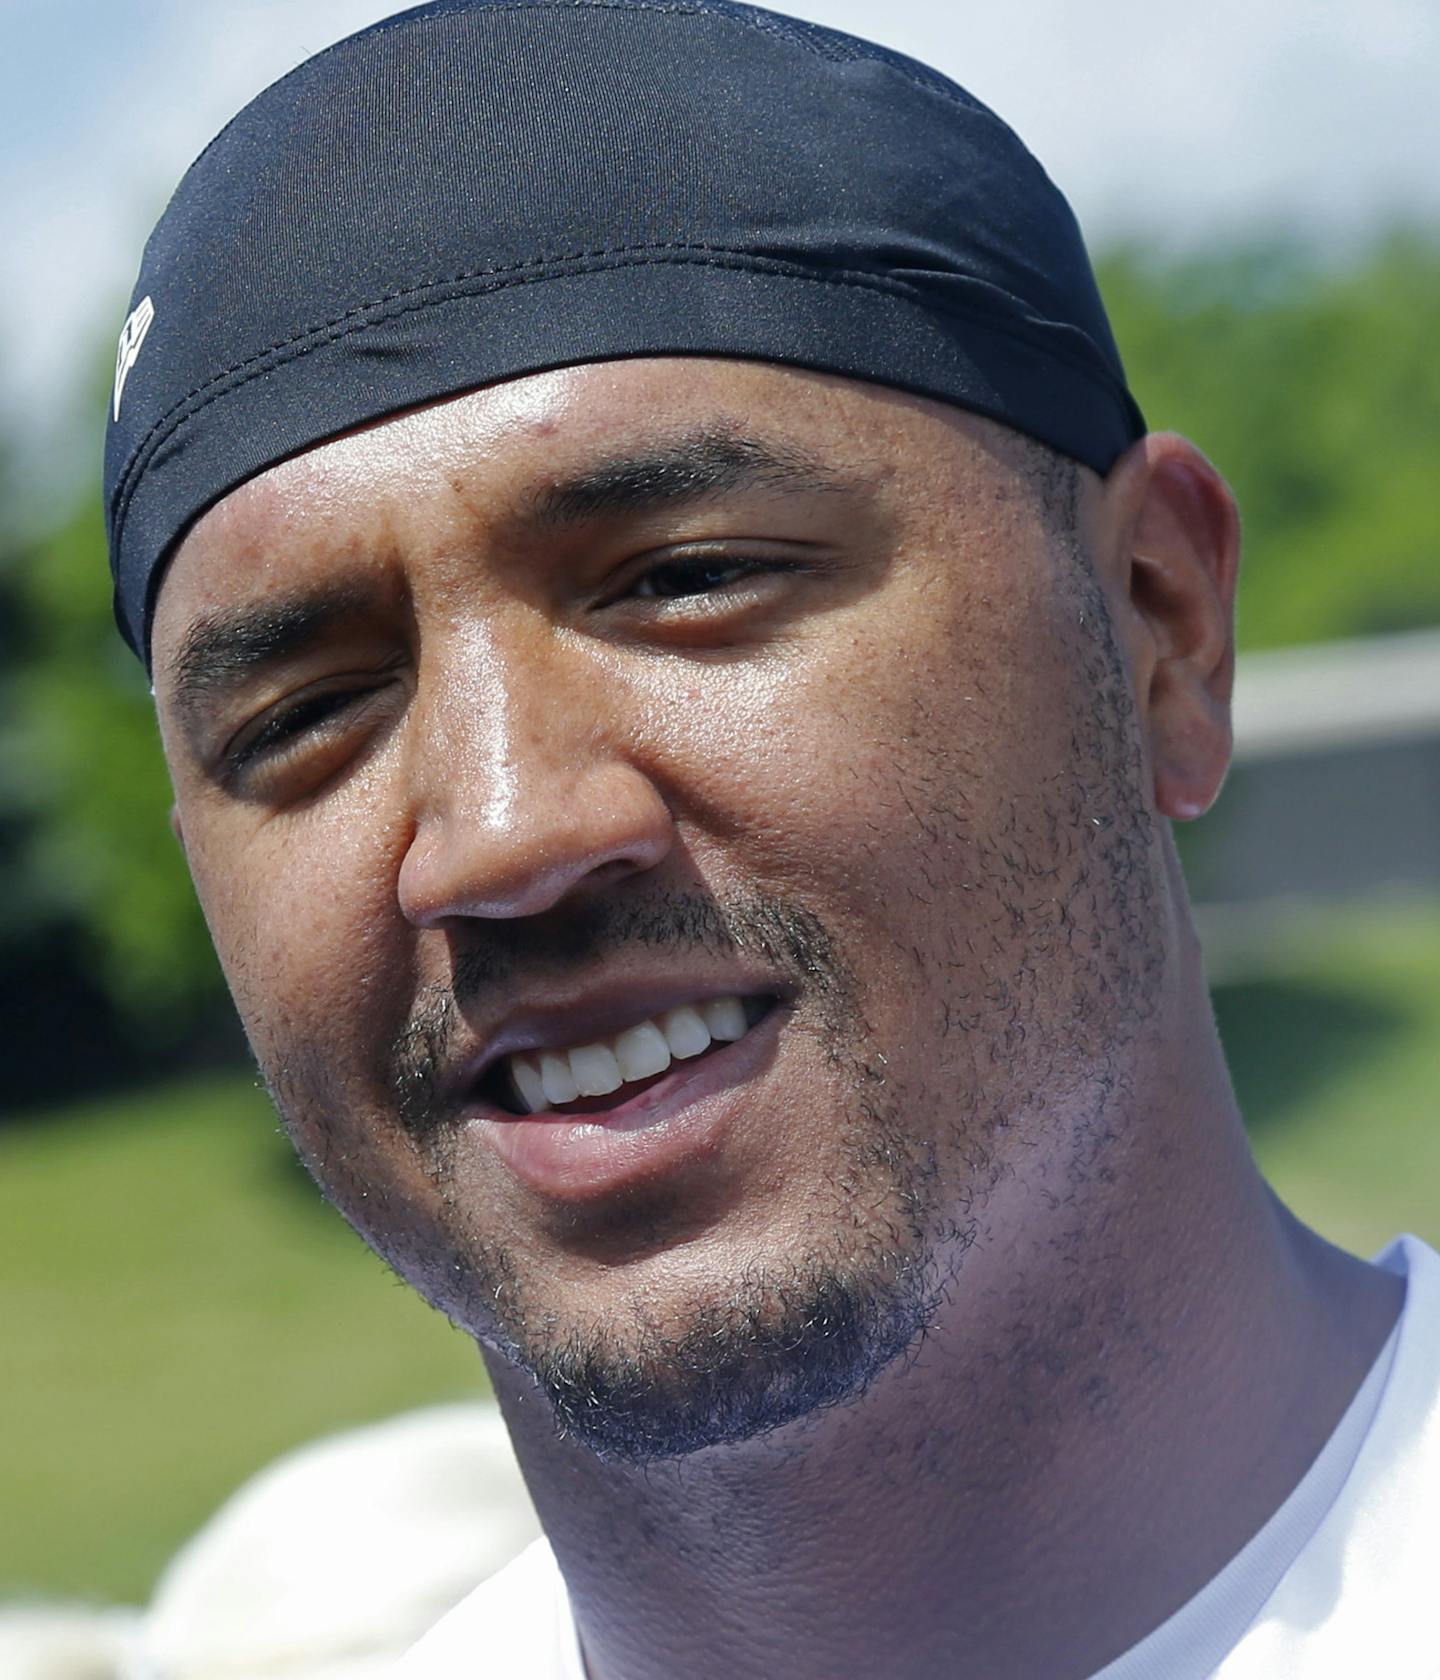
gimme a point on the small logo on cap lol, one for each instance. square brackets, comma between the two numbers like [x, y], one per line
[132, 336]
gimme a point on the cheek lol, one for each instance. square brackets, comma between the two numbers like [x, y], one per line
[915, 791]
[870, 760]
[302, 912]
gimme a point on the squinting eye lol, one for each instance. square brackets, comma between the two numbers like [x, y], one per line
[675, 578]
[278, 732]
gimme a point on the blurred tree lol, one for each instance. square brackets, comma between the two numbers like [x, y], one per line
[14, 907]
[92, 786]
[1316, 390]
[105, 963]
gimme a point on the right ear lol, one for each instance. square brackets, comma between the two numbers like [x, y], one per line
[175, 827]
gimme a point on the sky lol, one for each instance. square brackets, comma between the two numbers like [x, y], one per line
[1177, 122]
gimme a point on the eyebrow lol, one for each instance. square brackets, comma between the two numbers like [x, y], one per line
[687, 469]
[218, 652]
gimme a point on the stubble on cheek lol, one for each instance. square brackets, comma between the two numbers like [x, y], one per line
[812, 1138]
[720, 1339]
[1010, 838]
[1021, 860]
[303, 931]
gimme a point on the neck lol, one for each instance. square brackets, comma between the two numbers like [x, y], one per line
[1106, 1410]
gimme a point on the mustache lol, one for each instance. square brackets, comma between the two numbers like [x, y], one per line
[502, 956]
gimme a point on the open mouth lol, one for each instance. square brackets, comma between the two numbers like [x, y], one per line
[596, 1077]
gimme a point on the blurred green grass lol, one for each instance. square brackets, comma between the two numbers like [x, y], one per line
[1335, 1054]
[177, 1309]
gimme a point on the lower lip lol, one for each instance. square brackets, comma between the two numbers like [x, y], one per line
[679, 1119]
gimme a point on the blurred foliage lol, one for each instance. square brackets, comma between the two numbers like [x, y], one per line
[102, 943]
[91, 785]
[1316, 391]
[1315, 387]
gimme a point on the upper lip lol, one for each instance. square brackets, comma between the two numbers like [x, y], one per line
[596, 1012]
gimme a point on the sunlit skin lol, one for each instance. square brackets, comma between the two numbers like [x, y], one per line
[881, 698]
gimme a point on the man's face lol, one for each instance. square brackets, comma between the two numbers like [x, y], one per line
[578, 708]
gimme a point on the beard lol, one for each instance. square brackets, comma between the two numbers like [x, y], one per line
[781, 1346]
[773, 1342]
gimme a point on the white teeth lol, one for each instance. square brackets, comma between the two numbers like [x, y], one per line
[642, 1052]
[558, 1081]
[552, 1078]
[529, 1083]
[686, 1034]
[725, 1017]
[596, 1071]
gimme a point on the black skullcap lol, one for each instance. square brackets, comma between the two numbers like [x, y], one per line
[477, 189]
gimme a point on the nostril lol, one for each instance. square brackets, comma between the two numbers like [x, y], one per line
[575, 834]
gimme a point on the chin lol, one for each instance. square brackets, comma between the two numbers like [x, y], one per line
[652, 1379]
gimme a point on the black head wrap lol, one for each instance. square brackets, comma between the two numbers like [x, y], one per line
[483, 188]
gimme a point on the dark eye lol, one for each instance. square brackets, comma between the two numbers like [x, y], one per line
[283, 728]
[697, 575]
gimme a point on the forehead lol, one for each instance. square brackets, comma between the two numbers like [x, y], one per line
[433, 473]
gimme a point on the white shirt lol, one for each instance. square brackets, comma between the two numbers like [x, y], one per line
[1342, 1583]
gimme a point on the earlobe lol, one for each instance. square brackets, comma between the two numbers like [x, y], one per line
[1182, 534]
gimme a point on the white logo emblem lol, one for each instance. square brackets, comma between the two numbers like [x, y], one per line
[132, 336]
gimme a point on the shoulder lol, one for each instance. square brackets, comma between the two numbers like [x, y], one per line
[518, 1621]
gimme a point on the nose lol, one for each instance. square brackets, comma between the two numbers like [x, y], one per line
[522, 797]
